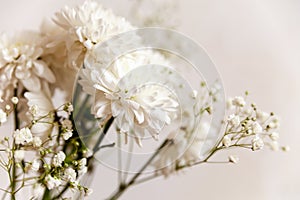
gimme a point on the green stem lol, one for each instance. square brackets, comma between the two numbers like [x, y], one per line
[123, 187]
[104, 132]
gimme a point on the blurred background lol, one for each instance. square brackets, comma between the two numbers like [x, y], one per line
[255, 45]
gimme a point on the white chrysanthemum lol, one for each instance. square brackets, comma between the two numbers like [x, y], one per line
[20, 63]
[23, 136]
[52, 182]
[90, 23]
[58, 159]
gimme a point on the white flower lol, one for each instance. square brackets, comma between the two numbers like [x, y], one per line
[83, 170]
[19, 155]
[238, 101]
[66, 135]
[286, 148]
[67, 124]
[15, 100]
[234, 159]
[20, 63]
[256, 128]
[3, 116]
[37, 142]
[257, 143]
[262, 116]
[226, 141]
[70, 174]
[274, 136]
[58, 159]
[52, 182]
[274, 146]
[234, 120]
[35, 165]
[23, 136]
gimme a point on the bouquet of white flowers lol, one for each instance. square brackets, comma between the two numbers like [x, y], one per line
[91, 87]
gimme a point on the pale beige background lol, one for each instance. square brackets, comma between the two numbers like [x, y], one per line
[255, 45]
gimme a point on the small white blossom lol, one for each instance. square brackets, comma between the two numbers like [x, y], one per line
[37, 142]
[226, 141]
[257, 143]
[23, 136]
[274, 136]
[3, 116]
[67, 124]
[52, 182]
[274, 146]
[19, 155]
[234, 159]
[234, 120]
[35, 165]
[82, 171]
[70, 174]
[238, 101]
[256, 128]
[58, 159]
[262, 116]
[15, 100]
[66, 135]
[87, 153]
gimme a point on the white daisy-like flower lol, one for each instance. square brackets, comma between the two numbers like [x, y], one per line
[20, 63]
[58, 159]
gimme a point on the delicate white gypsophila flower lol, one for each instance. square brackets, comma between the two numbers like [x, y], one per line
[256, 128]
[83, 170]
[226, 141]
[274, 123]
[238, 101]
[70, 174]
[36, 142]
[19, 155]
[15, 100]
[234, 159]
[66, 135]
[23, 136]
[3, 116]
[52, 182]
[20, 63]
[274, 136]
[35, 165]
[68, 108]
[7, 107]
[274, 145]
[257, 143]
[234, 120]
[262, 116]
[58, 159]
[67, 124]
